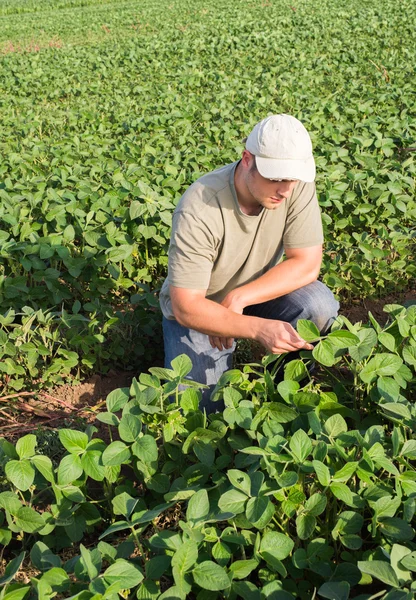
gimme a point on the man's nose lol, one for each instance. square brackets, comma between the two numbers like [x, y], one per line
[284, 188]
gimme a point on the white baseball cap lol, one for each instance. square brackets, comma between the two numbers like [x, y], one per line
[283, 149]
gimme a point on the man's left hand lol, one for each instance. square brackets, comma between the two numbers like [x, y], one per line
[232, 304]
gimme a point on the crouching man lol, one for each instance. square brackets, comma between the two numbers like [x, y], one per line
[230, 230]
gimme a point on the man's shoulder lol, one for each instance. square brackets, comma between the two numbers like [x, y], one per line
[208, 190]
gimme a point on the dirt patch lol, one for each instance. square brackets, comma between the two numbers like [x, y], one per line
[357, 310]
[61, 406]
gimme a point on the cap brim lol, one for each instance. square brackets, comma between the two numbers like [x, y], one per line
[274, 168]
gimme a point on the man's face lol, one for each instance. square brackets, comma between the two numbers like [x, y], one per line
[266, 192]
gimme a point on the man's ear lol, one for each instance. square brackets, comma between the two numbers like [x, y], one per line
[247, 159]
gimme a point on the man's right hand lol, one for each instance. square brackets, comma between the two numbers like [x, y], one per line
[279, 337]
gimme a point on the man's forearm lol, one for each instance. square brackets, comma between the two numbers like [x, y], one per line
[282, 279]
[211, 318]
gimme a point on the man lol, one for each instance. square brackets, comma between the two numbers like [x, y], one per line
[230, 229]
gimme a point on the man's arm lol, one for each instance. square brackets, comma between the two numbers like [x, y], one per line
[301, 267]
[193, 310]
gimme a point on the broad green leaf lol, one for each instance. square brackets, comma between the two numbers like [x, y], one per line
[324, 353]
[182, 365]
[380, 570]
[129, 428]
[305, 526]
[25, 446]
[73, 441]
[276, 544]
[343, 338]
[117, 399]
[300, 446]
[335, 426]
[185, 557]
[145, 448]
[240, 480]
[28, 520]
[198, 507]
[397, 553]
[315, 505]
[21, 473]
[12, 568]
[116, 454]
[210, 576]
[260, 511]
[43, 558]
[241, 569]
[69, 469]
[232, 501]
[335, 590]
[307, 330]
[382, 365]
[396, 528]
[124, 571]
[322, 472]
[44, 465]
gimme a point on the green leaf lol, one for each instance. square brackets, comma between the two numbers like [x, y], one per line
[124, 504]
[316, 504]
[342, 339]
[210, 576]
[182, 365]
[322, 472]
[397, 553]
[198, 507]
[124, 571]
[382, 365]
[25, 446]
[129, 428]
[145, 448]
[241, 569]
[28, 520]
[276, 544]
[397, 529]
[240, 480]
[232, 501]
[185, 557]
[10, 502]
[43, 558]
[380, 570]
[12, 569]
[117, 399]
[305, 526]
[69, 469]
[324, 353]
[44, 465]
[260, 511]
[300, 446]
[409, 449]
[335, 426]
[21, 473]
[307, 330]
[115, 454]
[73, 441]
[92, 464]
[335, 590]
[360, 351]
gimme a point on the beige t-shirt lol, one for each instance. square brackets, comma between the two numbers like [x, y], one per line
[214, 246]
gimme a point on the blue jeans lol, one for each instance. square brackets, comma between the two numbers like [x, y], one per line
[314, 302]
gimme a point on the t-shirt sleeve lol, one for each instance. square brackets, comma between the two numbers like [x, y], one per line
[303, 227]
[192, 252]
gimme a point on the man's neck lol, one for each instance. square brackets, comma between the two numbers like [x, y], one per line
[248, 205]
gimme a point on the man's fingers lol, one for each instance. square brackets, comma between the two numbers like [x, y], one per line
[221, 343]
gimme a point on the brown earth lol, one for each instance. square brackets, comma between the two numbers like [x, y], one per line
[76, 405]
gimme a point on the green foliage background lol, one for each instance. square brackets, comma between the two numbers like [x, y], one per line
[110, 110]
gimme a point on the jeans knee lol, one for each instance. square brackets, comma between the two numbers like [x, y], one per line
[321, 306]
